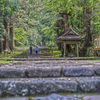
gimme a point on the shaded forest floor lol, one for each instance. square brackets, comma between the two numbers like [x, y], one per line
[23, 52]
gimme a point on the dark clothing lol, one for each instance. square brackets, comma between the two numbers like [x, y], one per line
[36, 52]
[30, 50]
[62, 52]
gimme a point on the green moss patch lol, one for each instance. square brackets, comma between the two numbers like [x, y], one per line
[5, 61]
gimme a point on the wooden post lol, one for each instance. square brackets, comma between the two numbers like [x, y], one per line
[64, 49]
[77, 50]
[93, 47]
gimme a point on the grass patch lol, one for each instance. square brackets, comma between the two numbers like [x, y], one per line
[4, 61]
[18, 52]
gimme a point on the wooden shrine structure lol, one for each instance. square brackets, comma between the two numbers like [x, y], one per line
[70, 38]
[96, 45]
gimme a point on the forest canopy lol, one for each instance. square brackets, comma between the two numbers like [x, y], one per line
[32, 22]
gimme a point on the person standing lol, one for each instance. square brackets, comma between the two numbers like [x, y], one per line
[30, 50]
[36, 49]
[62, 52]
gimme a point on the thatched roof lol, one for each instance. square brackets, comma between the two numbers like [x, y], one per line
[70, 35]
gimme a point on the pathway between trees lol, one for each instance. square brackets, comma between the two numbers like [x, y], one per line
[42, 53]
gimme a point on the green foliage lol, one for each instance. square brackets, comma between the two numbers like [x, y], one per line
[33, 38]
[37, 19]
[18, 52]
[19, 36]
[2, 30]
[4, 62]
[10, 6]
[34, 19]
[2, 1]
[76, 8]
[26, 19]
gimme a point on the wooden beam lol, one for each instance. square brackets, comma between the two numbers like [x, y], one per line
[77, 50]
[71, 42]
[64, 49]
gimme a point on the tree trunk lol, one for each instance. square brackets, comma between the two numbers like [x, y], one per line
[5, 42]
[66, 24]
[1, 45]
[11, 36]
[87, 24]
[62, 25]
[1, 28]
[88, 37]
[58, 34]
[43, 41]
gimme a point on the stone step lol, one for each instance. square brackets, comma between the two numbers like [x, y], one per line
[44, 58]
[92, 97]
[30, 86]
[55, 96]
[71, 97]
[19, 71]
[15, 98]
[32, 59]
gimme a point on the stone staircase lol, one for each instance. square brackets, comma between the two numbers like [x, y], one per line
[27, 78]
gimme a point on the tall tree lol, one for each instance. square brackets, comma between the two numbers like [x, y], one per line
[10, 7]
[2, 30]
